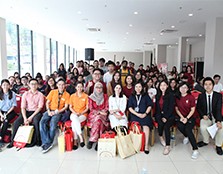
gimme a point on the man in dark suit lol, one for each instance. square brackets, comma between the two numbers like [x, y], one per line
[209, 106]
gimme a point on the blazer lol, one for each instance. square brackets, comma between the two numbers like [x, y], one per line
[168, 107]
[216, 105]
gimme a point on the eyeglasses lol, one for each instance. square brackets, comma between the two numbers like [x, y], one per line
[99, 87]
[97, 74]
[33, 84]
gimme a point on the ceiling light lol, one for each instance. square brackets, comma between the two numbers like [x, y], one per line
[154, 39]
[130, 25]
[169, 46]
[172, 26]
[187, 40]
[191, 14]
[79, 12]
[127, 32]
[200, 35]
[176, 43]
[136, 13]
[161, 34]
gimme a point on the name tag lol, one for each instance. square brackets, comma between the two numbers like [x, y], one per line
[63, 99]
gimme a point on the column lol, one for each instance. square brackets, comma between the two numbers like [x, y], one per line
[3, 50]
[213, 56]
[182, 52]
[146, 58]
[160, 54]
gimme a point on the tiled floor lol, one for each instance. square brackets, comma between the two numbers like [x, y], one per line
[84, 161]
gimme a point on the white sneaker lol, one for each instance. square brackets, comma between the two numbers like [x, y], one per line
[186, 140]
[162, 142]
[166, 150]
[195, 154]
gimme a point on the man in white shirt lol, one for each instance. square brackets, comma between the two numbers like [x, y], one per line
[111, 70]
[102, 65]
[218, 86]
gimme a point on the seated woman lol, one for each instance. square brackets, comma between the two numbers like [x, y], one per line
[7, 105]
[116, 79]
[185, 107]
[140, 105]
[164, 114]
[98, 116]
[117, 105]
[79, 109]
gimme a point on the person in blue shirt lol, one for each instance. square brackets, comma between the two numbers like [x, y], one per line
[7, 105]
[140, 105]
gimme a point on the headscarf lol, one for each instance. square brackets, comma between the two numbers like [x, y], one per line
[97, 97]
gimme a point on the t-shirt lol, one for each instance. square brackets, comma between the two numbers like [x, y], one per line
[185, 104]
[107, 77]
[79, 104]
[218, 87]
[127, 91]
[58, 100]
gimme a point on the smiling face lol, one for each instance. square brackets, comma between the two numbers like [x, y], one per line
[116, 77]
[79, 87]
[98, 88]
[96, 75]
[163, 87]
[129, 80]
[118, 89]
[5, 86]
[208, 86]
[184, 89]
[138, 88]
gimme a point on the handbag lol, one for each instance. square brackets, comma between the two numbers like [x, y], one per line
[133, 124]
[61, 142]
[69, 139]
[23, 136]
[136, 138]
[124, 144]
[106, 147]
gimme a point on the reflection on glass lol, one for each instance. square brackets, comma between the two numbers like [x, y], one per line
[60, 54]
[12, 48]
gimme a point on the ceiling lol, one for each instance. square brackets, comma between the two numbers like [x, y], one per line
[120, 29]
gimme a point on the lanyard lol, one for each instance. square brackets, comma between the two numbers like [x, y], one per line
[138, 100]
[59, 98]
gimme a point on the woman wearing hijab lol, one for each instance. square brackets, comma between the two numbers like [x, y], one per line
[98, 116]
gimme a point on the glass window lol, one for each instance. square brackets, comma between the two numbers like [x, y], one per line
[60, 54]
[54, 56]
[67, 57]
[47, 56]
[25, 50]
[38, 53]
[12, 47]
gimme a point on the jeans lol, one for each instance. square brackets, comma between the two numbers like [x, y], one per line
[48, 125]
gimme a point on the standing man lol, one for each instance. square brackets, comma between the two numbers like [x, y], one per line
[209, 106]
[56, 104]
[108, 75]
[31, 106]
[102, 65]
[218, 87]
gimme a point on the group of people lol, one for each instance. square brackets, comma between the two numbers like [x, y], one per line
[108, 95]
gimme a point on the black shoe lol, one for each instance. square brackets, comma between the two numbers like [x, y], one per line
[46, 148]
[201, 144]
[90, 144]
[75, 147]
[96, 147]
[82, 144]
[146, 151]
[10, 145]
[219, 150]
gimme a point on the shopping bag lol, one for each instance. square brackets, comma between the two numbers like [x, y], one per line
[108, 134]
[106, 147]
[24, 134]
[61, 142]
[124, 144]
[136, 138]
[69, 139]
[7, 137]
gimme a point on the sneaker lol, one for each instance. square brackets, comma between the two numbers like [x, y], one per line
[219, 150]
[10, 145]
[195, 154]
[46, 148]
[166, 150]
[162, 142]
[186, 140]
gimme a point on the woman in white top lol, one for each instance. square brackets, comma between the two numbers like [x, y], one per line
[117, 107]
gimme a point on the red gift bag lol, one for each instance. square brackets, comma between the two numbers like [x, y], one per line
[108, 134]
[69, 139]
[134, 123]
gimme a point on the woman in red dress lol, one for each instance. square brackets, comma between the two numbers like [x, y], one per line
[98, 116]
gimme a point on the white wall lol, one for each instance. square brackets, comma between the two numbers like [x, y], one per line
[171, 56]
[198, 49]
[136, 57]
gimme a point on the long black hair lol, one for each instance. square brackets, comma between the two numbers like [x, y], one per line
[1, 91]
[178, 94]
[121, 93]
[142, 92]
[159, 92]
[113, 83]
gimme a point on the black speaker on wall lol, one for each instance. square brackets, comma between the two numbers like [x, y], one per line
[199, 69]
[89, 54]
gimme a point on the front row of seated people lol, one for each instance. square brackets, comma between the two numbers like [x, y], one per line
[103, 113]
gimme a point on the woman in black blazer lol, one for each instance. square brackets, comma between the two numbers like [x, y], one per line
[164, 113]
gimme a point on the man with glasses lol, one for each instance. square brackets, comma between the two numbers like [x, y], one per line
[31, 106]
[56, 105]
[96, 78]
